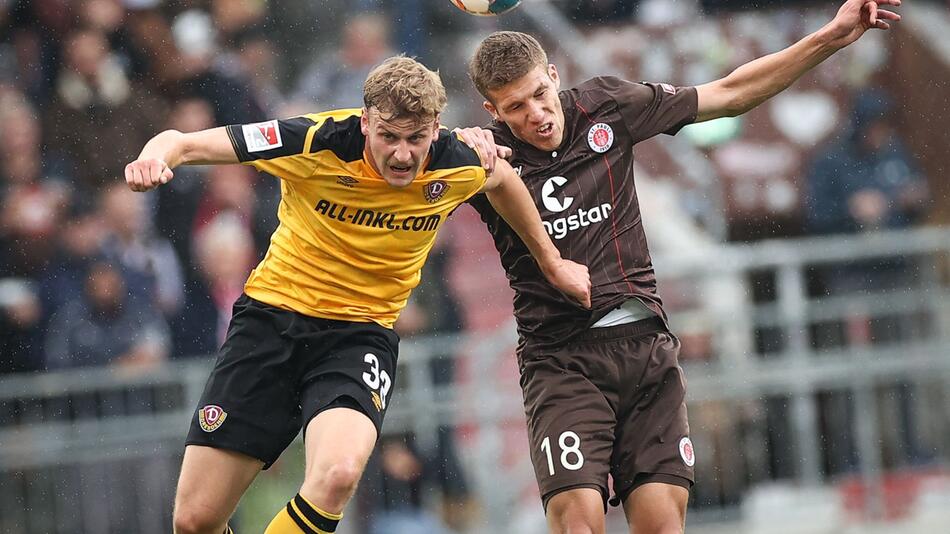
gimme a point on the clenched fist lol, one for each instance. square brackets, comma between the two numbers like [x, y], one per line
[145, 174]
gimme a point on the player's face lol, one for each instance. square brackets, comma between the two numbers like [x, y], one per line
[531, 108]
[397, 148]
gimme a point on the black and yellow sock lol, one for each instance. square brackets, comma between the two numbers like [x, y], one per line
[300, 516]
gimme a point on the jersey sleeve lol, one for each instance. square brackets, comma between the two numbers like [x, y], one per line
[277, 147]
[650, 109]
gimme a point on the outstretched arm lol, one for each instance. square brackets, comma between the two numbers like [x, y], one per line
[510, 198]
[761, 79]
[172, 148]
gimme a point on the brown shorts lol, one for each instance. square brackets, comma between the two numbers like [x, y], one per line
[611, 402]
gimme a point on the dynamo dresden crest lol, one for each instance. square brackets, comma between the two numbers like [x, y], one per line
[687, 453]
[211, 417]
[600, 137]
[434, 191]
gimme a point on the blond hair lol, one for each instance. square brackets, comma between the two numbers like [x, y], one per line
[401, 87]
[504, 57]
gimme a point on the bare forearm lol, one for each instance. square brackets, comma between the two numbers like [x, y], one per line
[767, 76]
[199, 148]
[761, 79]
[513, 202]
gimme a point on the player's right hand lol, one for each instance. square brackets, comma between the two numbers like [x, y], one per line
[145, 174]
[572, 278]
[483, 141]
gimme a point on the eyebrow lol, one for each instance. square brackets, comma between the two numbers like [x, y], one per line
[541, 85]
[410, 134]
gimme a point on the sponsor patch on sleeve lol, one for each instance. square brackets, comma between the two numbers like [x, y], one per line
[262, 136]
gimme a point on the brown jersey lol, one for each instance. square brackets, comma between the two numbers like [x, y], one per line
[588, 203]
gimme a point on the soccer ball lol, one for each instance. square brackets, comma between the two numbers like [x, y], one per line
[486, 7]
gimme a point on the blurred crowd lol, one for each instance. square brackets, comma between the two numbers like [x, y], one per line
[93, 274]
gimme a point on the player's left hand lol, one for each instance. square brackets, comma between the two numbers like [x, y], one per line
[484, 143]
[858, 16]
[573, 279]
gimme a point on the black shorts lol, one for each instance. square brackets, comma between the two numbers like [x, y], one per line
[278, 369]
[609, 403]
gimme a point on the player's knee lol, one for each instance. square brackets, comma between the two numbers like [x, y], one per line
[670, 524]
[572, 518]
[196, 520]
[575, 526]
[338, 479]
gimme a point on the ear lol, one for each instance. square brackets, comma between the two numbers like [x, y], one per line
[490, 108]
[552, 72]
[364, 122]
[436, 124]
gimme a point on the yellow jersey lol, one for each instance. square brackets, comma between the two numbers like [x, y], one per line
[349, 246]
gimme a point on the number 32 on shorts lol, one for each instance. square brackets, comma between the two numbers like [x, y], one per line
[571, 457]
[376, 378]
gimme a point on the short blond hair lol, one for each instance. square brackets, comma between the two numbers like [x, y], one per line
[504, 57]
[401, 87]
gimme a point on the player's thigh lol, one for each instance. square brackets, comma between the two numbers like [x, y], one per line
[338, 439]
[652, 436]
[570, 428]
[212, 482]
[345, 399]
[250, 403]
[656, 507]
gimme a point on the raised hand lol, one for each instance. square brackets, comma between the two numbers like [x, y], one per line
[858, 16]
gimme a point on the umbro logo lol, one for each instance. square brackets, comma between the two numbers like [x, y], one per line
[348, 181]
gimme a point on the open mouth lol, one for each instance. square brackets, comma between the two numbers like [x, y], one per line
[400, 169]
[545, 129]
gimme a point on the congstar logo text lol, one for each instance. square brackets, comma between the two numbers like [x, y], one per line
[555, 201]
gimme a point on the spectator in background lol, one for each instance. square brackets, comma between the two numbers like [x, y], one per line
[255, 59]
[391, 497]
[224, 253]
[335, 80]
[866, 182]
[80, 239]
[236, 189]
[234, 18]
[107, 326]
[32, 199]
[99, 118]
[149, 262]
[109, 18]
[247, 52]
[35, 29]
[409, 17]
[196, 41]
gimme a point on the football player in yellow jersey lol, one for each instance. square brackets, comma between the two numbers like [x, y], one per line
[310, 345]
